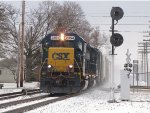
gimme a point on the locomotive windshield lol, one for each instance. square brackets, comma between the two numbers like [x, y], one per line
[77, 45]
[66, 41]
[62, 44]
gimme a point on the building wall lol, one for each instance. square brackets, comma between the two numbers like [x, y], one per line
[6, 76]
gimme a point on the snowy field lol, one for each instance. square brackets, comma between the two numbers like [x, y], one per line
[93, 101]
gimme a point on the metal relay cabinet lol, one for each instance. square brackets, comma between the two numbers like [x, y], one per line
[125, 85]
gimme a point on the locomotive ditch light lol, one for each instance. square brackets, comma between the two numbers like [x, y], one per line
[49, 66]
[70, 66]
[62, 37]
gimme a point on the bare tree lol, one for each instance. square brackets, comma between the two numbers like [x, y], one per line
[73, 19]
[44, 20]
[39, 23]
[8, 30]
[39, 20]
[9, 37]
[95, 37]
[2, 17]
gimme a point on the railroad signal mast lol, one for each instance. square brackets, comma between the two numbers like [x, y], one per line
[116, 40]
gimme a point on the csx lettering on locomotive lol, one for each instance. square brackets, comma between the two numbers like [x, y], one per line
[60, 56]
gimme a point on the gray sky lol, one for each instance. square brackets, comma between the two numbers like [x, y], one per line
[135, 12]
[96, 10]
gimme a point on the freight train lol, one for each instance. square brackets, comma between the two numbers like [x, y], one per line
[69, 64]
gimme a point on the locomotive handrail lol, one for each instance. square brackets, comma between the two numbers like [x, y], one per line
[43, 63]
[77, 64]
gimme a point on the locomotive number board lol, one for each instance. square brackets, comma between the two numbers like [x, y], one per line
[66, 38]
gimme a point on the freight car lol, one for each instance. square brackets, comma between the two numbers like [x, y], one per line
[69, 64]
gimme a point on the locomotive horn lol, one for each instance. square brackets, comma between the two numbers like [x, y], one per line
[116, 39]
[117, 13]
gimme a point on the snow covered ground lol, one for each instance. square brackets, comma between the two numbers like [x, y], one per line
[96, 101]
[12, 87]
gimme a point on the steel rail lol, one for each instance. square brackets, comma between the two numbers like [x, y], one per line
[40, 104]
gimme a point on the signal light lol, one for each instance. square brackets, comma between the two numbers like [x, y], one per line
[117, 13]
[116, 39]
[130, 65]
[125, 65]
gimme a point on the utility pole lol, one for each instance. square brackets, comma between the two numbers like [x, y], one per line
[147, 43]
[144, 53]
[18, 59]
[22, 46]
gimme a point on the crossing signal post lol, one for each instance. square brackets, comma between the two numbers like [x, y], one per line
[116, 40]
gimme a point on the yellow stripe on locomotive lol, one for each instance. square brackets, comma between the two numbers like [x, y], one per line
[61, 59]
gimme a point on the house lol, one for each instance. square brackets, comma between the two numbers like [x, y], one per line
[6, 76]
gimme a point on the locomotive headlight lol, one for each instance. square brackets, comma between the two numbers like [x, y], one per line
[70, 66]
[62, 37]
[49, 66]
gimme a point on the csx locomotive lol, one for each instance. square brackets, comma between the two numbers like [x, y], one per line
[69, 64]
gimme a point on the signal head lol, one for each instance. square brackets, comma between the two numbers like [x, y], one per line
[116, 39]
[116, 13]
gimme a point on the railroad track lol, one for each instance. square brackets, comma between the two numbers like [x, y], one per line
[31, 106]
[16, 94]
[37, 105]
[7, 104]
[140, 87]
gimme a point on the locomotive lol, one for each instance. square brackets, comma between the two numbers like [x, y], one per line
[69, 64]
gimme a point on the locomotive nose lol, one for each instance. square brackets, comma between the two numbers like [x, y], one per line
[61, 58]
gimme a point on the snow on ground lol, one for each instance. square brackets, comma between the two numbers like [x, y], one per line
[94, 101]
[24, 104]
[12, 87]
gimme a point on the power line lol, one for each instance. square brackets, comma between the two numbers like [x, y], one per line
[125, 24]
[124, 31]
[124, 16]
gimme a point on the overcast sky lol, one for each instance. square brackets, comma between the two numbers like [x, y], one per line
[135, 12]
[131, 26]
